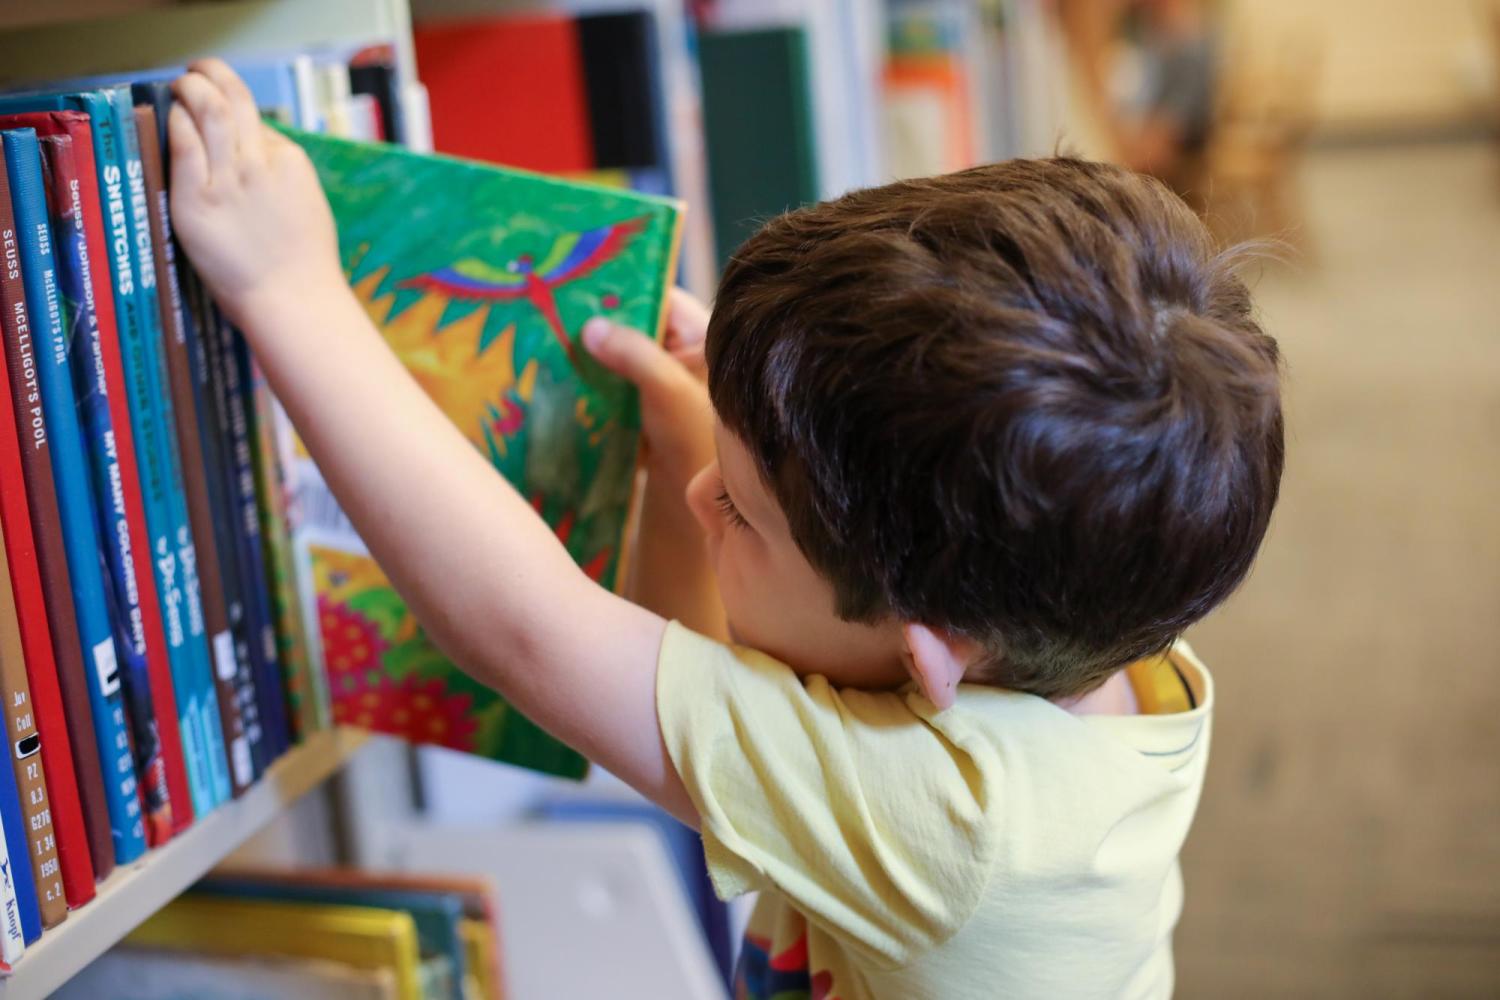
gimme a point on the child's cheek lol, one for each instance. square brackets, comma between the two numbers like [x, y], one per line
[729, 559]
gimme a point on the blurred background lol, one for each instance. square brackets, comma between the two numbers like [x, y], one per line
[1348, 843]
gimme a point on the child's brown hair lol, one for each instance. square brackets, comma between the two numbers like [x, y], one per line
[1028, 403]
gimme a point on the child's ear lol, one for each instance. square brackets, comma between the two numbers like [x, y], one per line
[936, 660]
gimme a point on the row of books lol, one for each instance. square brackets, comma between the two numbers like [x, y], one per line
[309, 934]
[141, 657]
[806, 99]
[140, 665]
[183, 599]
[791, 100]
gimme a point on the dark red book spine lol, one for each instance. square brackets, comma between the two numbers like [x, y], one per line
[163, 698]
[52, 561]
[36, 651]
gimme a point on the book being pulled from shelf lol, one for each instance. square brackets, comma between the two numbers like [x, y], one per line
[482, 297]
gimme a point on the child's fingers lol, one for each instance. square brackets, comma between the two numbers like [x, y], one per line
[687, 314]
[214, 120]
[189, 158]
[241, 103]
[687, 319]
[628, 353]
[687, 328]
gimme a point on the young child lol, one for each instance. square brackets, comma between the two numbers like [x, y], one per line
[980, 448]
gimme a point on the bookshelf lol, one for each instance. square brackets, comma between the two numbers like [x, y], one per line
[163, 34]
[43, 42]
[135, 891]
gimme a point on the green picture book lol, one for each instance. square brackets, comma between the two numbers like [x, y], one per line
[480, 279]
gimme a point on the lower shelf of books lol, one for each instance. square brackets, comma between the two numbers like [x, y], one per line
[135, 891]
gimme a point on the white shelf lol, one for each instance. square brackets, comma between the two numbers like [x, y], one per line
[134, 892]
[145, 34]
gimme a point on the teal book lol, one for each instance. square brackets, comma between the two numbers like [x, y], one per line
[758, 128]
[482, 296]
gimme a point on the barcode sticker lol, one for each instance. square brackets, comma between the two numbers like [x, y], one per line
[107, 667]
[224, 656]
[239, 752]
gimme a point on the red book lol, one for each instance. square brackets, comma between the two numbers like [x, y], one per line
[508, 90]
[83, 839]
[163, 698]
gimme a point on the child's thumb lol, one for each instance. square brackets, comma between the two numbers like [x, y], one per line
[628, 353]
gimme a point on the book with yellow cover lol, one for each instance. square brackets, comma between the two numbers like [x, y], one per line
[483, 960]
[350, 935]
[479, 930]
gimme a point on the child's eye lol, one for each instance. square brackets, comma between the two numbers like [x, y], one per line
[729, 510]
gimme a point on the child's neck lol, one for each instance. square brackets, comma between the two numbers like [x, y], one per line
[1114, 697]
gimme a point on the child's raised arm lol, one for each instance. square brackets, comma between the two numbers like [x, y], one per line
[488, 580]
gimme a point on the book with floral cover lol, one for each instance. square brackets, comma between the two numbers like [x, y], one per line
[480, 278]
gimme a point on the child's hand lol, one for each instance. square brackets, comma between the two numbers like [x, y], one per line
[675, 412]
[687, 329]
[246, 202]
[671, 573]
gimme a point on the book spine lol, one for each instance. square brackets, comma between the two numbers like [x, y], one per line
[74, 497]
[208, 355]
[64, 710]
[108, 448]
[163, 622]
[34, 650]
[191, 671]
[12, 935]
[231, 658]
[25, 749]
[149, 311]
[270, 686]
[220, 719]
[307, 693]
[16, 849]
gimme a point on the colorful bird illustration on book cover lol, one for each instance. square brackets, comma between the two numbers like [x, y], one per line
[572, 256]
[479, 278]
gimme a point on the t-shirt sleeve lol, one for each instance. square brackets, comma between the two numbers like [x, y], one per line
[849, 803]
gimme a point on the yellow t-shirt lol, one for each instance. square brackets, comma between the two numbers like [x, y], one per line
[1001, 848]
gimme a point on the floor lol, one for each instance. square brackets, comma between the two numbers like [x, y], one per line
[1348, 843]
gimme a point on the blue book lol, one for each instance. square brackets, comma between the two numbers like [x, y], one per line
[14, 823]
[232, 648]
[272, 82]
[75, 498]
[91, 391]
[12, 938]
[273, 708]
[206, 354]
